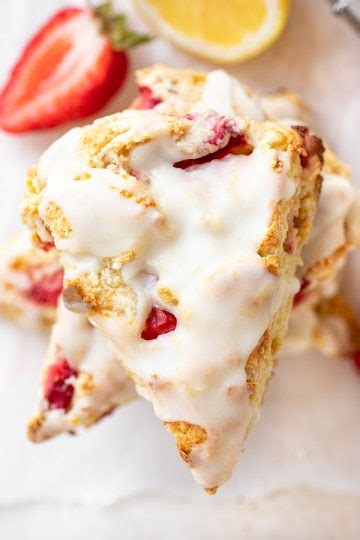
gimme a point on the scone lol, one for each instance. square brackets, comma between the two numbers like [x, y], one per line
[174, 234]
[82, 380]
[30, 283]
[336, 228]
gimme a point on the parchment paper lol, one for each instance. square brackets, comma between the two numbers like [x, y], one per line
[309, 431]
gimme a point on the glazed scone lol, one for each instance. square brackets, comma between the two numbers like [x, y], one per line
[30, 283]
[173, 234]
[81, 382]
[337, 225]
[30, 286]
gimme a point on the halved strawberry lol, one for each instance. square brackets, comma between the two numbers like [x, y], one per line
[70, 69]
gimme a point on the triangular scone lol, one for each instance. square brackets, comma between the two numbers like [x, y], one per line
[173, 233]
[30, 286]
[337, 225]
[30, 283]
[82, 380]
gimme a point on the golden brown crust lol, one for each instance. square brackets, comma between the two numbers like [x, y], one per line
[336, 306]
[187, 436]
[257, 357]
[102, 292]
[177, 89]
[325, 269]
[34, 426]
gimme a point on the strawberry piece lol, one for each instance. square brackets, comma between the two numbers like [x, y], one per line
[47, 290]
[356, 360]
[221, 128]
[58, 392]
[146, 100]
[301, 294]
[47, 246]
[236, 145]
[69, 69]
[159, 321]
[313, 146]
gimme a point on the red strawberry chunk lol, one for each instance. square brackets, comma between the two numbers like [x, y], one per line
[159, 322]
[47, 246]
[301, 294]
[58, 392]
[146, 100]
[47, 290]
[221, 129]
[236, 145]
[313, 146]
[356, 360]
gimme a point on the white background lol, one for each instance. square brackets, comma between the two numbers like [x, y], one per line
[300, 474]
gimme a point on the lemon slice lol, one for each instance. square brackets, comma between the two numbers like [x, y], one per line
[223, 31]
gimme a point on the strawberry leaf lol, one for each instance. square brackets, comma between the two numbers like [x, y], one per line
[113, 26]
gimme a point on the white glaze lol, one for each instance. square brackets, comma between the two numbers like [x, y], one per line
[201, 241]
[71, 334]
[338, 207]
[225, 95]
[328, 233]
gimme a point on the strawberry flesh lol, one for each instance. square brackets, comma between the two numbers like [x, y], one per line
[58, 392]
[159, 321]
[46, 291]
[301, 294]
[236, 145]
[356, 360]
[146, 100]
[221, 128]
[313, 146]
[47, 246]
[67, 71]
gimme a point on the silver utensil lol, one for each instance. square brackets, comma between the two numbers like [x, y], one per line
[349, 10]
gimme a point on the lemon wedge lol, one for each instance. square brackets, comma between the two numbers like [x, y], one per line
[223, 31]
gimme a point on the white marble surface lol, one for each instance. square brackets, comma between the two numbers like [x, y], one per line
[124, 474]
